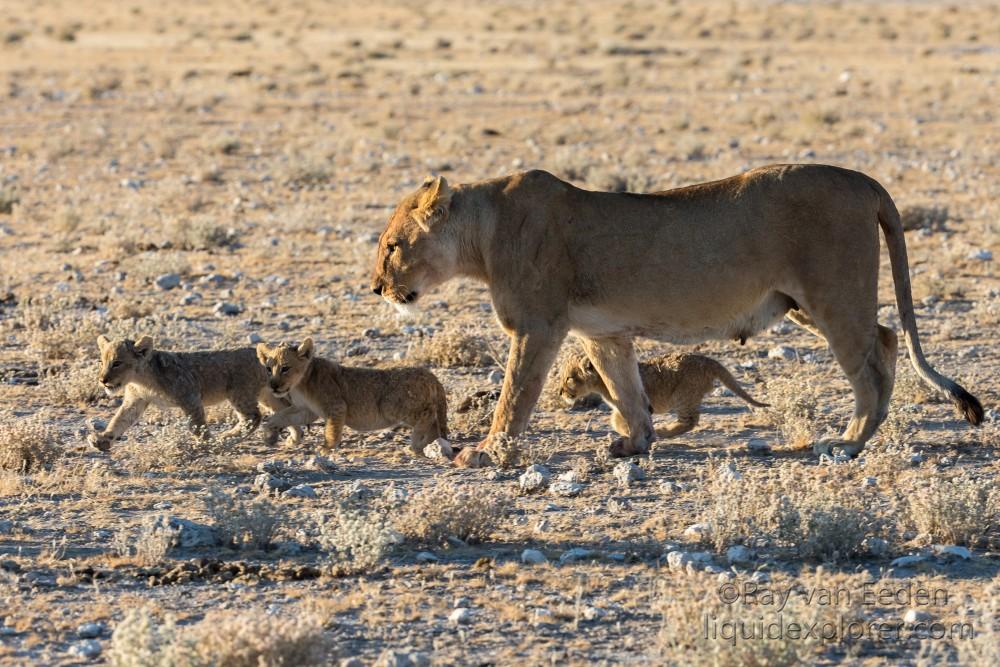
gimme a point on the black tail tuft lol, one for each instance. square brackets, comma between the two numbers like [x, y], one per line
[968, 405]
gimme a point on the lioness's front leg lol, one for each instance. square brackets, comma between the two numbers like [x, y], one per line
[531, 354]
[128, 414]
[614, 359]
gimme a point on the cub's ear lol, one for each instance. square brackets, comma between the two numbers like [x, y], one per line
[144, 347]
[305, 350]
[432, 202]
[262, 351]
[103, 343]
[587, 365]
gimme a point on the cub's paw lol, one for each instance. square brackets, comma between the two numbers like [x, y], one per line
[99, 441]
[471, 457]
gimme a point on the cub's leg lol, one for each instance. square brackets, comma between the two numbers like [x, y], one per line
[687, 419]
[249, 413]
[128, 414]
[294, 426]
[426, 430]
[615, 361]
[195, 411]
[334, 431]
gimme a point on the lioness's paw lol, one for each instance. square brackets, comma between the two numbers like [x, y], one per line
[470, 457]
[99, 441]
[622, 448]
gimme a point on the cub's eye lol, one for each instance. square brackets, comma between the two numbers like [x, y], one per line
[116, 364]
[284, 369]
[390, 248]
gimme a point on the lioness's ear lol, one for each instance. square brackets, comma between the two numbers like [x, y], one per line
[103, 342]
[432, 202]
[262, 352]
[144, 347]
[305, 350]
[587, 365]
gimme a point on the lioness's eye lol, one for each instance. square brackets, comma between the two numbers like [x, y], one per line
[116, 364]
[284, 369]
[390, 247]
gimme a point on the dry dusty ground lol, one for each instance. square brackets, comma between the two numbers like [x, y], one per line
[256, 149]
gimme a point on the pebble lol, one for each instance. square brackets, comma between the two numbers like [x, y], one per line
[269, 484]
[870, 482]
[167, 281]
[534, 479]
[358, 490]
[87, 649]
[319, 463]
[983, 255]
[916, 616]
[679, 560]
[952, 551]
[89, 630]
[907, 561]
[566, 489]
[300, 491]
[575, 554]
[426, 557]
[876, 546]
[697, 531]
[227, 309]
[738, 554]
[190, 299]
[782, 352]
[189, 534]
[254, 338]
[729, 473]
[627, 472]
[439, 450]
[495, 377]
[391, 658]
[460, 616]
[758, 446]
[533, 557]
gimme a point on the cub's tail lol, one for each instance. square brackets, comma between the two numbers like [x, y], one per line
[730, 383]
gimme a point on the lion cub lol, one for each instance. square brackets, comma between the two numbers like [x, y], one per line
[185, 380]
[673, 383]
[364, 399]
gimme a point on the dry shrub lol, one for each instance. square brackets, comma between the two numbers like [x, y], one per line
[793, 402]
[357, 540]
[240, 521]
[699, 629]
[220, 640]
[76, 384]
[452, 348]
[959, 510]
[168, 446]
[199, 233]
[449, 510]
[56, 329]
[512, 452]
[824, 517]
[150, 546]
[27, 443]
[924, 216]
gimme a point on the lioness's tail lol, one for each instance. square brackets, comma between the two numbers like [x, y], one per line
[727, 379]
[892, 227]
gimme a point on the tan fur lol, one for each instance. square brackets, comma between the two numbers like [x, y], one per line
[723, 260]
[185, 380]
[361, 398]
[673, 382]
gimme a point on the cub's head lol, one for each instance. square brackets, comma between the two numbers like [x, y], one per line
[578, 379]
[414, 252]
[286, 364]
[122, 361]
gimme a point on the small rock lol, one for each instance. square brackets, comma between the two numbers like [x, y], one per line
[952, 551]
[224, 308]
[495, 377]
[916, 616]
[190, 299]
[6, 526]
[187, 534]
[534, 479]
[300, 491]
[627, 472]
[426, 557]
[729, 473]
[593, 613]
[760, 577]
[575, 554]
[88, 649]
[439, 450]
[876, 546]
[916, 459]
[533, 557]
[869, 482]
[168, 281]
[395, 495]
[782, 352]
[268, 484]
[679, 560]
[460, 616]
[566, 489]
[983, 255]
[254, 338]
[404, 658]
[568, 476]
[758, 446]
[738, 554]
[697, 531]
[319, 463]
[89, 630]
[907, 561]
[358, 490]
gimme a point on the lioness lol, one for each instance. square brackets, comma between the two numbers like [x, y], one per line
[364, 399]
[673, 382]
[725, 259]
[185, 380]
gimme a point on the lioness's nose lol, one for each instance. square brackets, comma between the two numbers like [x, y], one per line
[377, 289]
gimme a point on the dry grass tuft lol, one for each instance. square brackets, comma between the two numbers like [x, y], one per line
[225, 639]
[452, 348]
[27, 443]
[793, 402]
[512, 452]
[242, 522]
[168, 446]
[74, 385]
[920, 216]
[954, 511]
[357, 540]
[448, 510]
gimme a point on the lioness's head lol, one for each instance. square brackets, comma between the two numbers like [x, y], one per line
[414, 254]
[122, 360]
[578, 379]
[286, 364]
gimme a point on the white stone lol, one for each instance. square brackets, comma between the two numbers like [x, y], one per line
[300, 491]
[907, 561]
[268, 484]
[916, 616]
[224, 308]
[568, 476]
[738, 554]
[952, 551]
[460, 616]
[627, 472]
[533, 557]
[535, 478]
[983, 255]
[426, 557]
[495, 377]
[758, 446]
[88, 649]
[566, 489]
[697, 531]
[187, 534]
[593, 613]
[876, 546]
[439, 450]
[782, 352]
[575, 554]
[167, 281]
[89, 630]
[729, 473]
